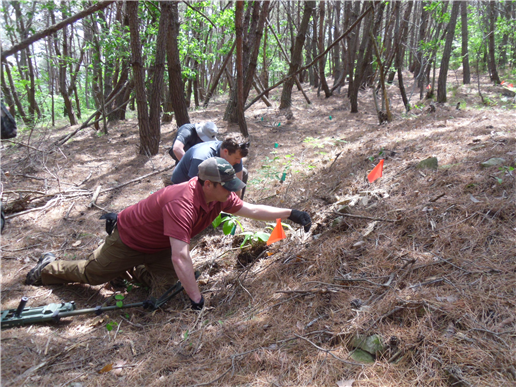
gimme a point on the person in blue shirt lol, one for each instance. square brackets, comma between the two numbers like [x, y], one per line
[189, 135]
[233, 149]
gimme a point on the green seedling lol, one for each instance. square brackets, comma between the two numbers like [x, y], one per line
[254, 237]
[229, 223]
[119, 301]
[505, 171]
[110, 325]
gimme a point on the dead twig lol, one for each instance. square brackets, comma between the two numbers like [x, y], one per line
[136, 179]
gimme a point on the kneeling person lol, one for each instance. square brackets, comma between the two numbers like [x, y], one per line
[233, 149]
[152, 237]
[189, 135]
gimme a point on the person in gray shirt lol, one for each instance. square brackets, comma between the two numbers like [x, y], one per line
[189, 135]
[232, 149]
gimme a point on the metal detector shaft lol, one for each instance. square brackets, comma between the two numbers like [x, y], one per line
[54, 312]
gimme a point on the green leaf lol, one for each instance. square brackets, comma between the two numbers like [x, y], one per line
[228, 226]
[217, 221]
[119, 304]
[119, 297]
[246, 238]
[263, 236]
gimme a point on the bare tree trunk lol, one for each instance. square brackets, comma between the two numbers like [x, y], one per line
[148, 142]
[363, 60]
[174, 67]
[466, 77]
[253, 31]
[216, 80]
[240, 67]
[157, 81]
[322, 61]
[265, 72]
[62, 71]
[286, 94]
[443, 72]
[491, 43]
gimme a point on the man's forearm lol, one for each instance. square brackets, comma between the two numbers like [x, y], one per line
[185, 272]
[179, 149]
[262, 212]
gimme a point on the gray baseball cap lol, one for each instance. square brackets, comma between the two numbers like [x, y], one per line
[207, 131]
[218, 170]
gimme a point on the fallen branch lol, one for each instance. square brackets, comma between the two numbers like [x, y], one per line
[28, 146]
[51, 203]
[136, 179]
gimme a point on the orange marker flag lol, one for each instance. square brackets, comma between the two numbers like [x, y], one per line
[376, 172]
[277, 234]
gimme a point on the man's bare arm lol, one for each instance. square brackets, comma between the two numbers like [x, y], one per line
[184, 268]
[261, 212]
[179, 149]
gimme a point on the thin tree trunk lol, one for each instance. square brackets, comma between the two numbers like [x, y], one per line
[216, 80]
[443, 73]
[322, 61]
[286, 94]
[176, 85]
[157, 81]
[240, 67]
[491, 43]
[466, 76]
[148, 143]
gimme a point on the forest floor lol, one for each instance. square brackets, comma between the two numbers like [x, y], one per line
[410, 280]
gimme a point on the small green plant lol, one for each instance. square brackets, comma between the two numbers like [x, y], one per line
[380, 154]
[321, 142]
[254, 237]
[110, 325]
[119, 300]
[505, 171]
[229, 223]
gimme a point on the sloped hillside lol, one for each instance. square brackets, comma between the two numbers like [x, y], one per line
[409, 280]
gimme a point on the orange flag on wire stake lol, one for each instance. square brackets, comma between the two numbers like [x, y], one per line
[277, 234]
[376, 172]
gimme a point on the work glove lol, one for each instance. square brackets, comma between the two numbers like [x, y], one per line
[197, 305]
[302, 218]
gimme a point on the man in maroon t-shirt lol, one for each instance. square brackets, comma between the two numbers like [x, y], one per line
[151, 232]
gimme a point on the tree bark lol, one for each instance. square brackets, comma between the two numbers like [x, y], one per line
[240, 68]
[253, 31]
[491, 43]
[148, 143]
[363, 60]
[443, 72]
[286, 94]
[176, 86]
[466, 76]
[157, 81]
[216, 80]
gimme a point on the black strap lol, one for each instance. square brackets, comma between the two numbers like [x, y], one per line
[111, 219]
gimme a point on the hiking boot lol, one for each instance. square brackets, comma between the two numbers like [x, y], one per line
[34, 276]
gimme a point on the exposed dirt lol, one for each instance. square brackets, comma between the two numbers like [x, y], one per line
[423, 258]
